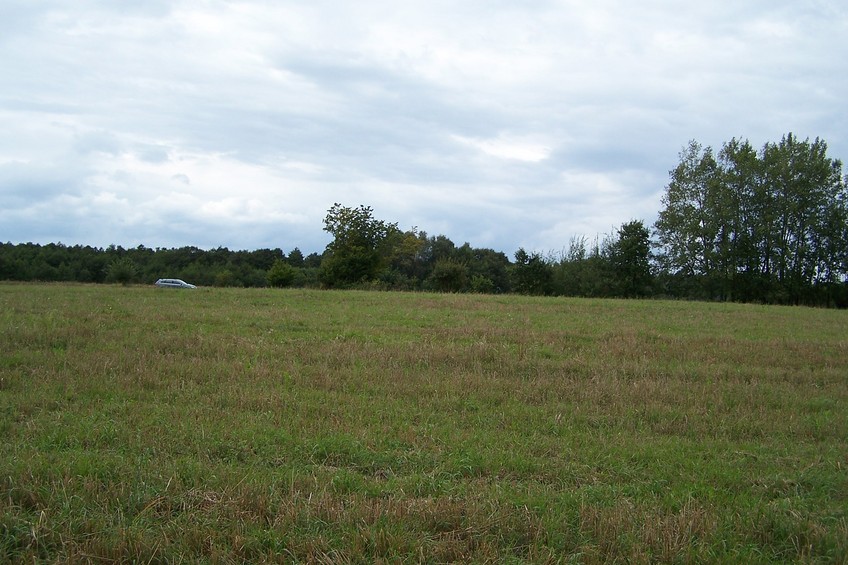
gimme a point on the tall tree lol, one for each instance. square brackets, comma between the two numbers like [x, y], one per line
[532, 274]
[685, 227]
[407, 259]
[745, 211]
[360, 246]
[767, 226]
[295, 258]
[630, 260]
[808, 205]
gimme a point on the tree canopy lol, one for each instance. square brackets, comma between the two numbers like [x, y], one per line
[361, 246]
[748, 225]
[767, 225]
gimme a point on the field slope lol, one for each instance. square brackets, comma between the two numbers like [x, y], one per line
[232, 425]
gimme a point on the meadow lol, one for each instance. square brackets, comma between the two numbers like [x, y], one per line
[257, 425]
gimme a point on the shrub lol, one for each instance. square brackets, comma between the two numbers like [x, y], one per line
[121, 271]
[281, 274]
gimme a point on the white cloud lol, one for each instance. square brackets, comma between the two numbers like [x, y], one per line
[498, 123]
[507, 147]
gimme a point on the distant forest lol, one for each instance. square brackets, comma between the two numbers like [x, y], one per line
[768, 226]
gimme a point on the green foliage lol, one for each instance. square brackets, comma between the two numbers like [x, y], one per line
[629, 260]
[214, 267]
[736, 225]
[581, 271]
[482, 284]
[281, 274]
[295, 258]
[532, 274]
[121, 271]
[489, 268]
[448, 276]
[225, 278]
[361, 245]
[407, 258]
[769, 226]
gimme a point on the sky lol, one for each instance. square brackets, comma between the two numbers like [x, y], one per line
[504, 124]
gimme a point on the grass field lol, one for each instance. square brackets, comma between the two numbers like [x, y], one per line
[250, 425]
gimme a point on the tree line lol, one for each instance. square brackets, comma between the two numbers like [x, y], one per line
[741, 224]
[57, 262]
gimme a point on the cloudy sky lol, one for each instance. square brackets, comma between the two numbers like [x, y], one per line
[504, 124]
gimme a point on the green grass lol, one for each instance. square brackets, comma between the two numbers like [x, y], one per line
[141, 424]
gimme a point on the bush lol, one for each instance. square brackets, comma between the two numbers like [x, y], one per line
[226, 278]
[281, 274]
[121, 271]
[448, 276]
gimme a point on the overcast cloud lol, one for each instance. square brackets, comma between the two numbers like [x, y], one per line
[502, 124]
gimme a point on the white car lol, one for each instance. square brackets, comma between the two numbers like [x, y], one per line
[173, 283]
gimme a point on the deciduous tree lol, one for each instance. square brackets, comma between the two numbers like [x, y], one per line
[756, 226]
[359, 249]
[630, 260]
[532, 274]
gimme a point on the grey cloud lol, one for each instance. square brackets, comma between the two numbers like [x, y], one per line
[152, 153]
[370, 103]
[98, 142]
[22, 184]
